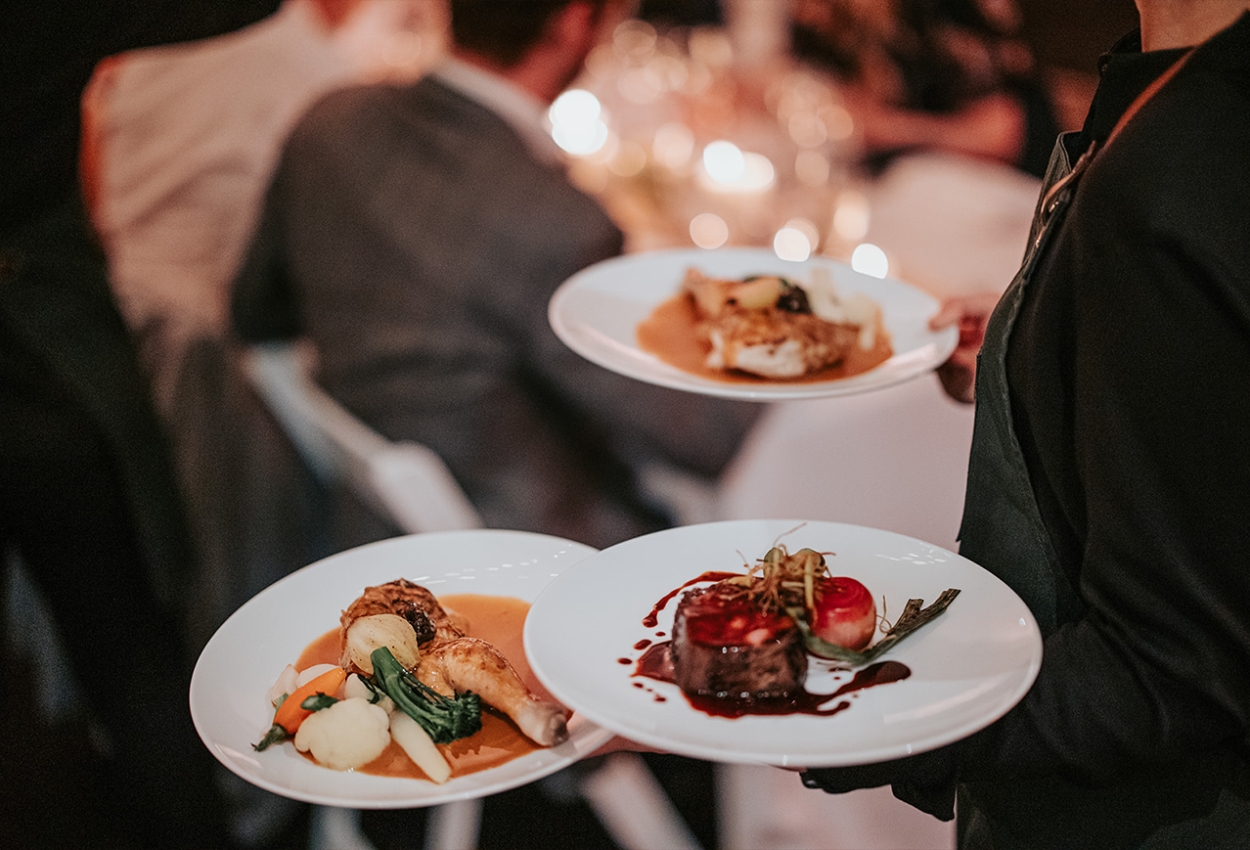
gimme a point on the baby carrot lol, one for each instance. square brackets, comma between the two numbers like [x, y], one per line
[291, 713]
[289, 716]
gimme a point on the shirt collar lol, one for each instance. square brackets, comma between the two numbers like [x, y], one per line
[1125, 72]
[523, 112]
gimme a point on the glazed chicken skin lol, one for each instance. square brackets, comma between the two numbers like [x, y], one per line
[452, 662]
[412, 602]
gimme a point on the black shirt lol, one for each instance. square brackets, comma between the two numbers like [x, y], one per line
[1129, 368]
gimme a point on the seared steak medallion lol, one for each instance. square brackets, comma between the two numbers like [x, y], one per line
[726, 646]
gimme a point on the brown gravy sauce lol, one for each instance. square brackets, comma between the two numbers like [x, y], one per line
[495, 619]
[669, 334]
[656, 663]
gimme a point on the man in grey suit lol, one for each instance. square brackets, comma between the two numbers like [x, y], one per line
[416, 234]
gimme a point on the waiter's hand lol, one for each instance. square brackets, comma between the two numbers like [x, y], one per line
[926, 781]
[971, 313]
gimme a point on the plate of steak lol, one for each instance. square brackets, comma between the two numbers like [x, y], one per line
[680, 641]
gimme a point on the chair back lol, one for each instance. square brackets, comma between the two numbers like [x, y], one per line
[403, 481]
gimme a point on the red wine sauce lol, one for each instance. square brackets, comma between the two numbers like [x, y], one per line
[652, 619]
[657, 663]
[881, 673]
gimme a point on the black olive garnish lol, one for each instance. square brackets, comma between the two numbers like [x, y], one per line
[793, 299]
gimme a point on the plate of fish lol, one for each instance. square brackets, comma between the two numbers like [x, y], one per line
[392, 675]
[741, 323]
[796, 644]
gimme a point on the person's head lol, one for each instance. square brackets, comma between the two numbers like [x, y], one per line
[333, 14]
[501, 32]
[541, 43]
[1167, 24]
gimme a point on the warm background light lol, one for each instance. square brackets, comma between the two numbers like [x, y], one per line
[790, 243]
[708, 230]
[724, 162]
[870, 260]
[577, 124]
[673, 145]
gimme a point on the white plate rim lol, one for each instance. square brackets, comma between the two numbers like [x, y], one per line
[613, 349]
[737, 741]
[479, 565]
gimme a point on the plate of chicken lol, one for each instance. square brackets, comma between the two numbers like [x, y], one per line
[741, 323]
[392, 675]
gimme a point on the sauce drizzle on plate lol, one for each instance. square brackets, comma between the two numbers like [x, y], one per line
[657, 663]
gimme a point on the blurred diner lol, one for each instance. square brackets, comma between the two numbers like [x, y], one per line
[415, 233]
[180, 142]
[950, 75]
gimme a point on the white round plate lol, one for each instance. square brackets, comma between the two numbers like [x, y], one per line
[597, 312]
[968, 667]
[247, 653]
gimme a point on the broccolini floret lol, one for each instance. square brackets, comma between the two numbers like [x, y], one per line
[445, 719]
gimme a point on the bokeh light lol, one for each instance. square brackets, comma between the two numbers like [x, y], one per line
[852, 216]
[724, 162]
[757, 172]
[811, 168]
[868, 259]
[629, 159]
[807, 228]
[727, 168]
[577, 124]
[673, 145]
[708, 230]
[791, 243]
